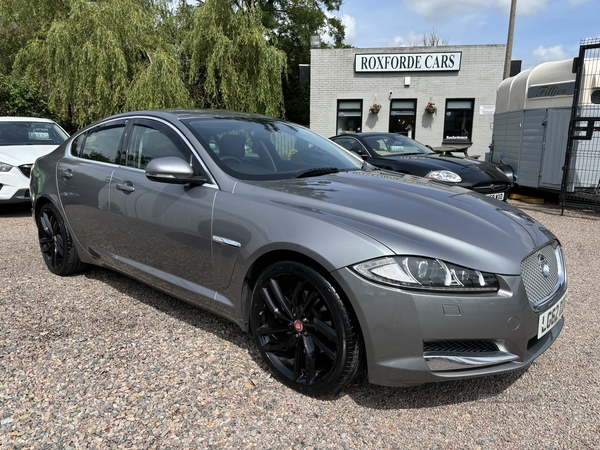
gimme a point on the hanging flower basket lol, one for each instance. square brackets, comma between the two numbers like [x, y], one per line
[374, 109]
[430, 108]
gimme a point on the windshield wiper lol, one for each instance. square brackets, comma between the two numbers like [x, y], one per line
[315, 172]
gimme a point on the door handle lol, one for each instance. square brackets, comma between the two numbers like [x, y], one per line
[125, 187]
[67, 173]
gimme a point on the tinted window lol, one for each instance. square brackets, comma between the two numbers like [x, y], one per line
[458, 120]
[77, 145]
[102, 144]
[148, 142]
[349, 143]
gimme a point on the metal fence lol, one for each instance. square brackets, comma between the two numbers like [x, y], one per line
[580, 186]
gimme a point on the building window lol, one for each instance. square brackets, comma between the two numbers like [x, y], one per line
[403, 115]
[349, 116]
[458, 121]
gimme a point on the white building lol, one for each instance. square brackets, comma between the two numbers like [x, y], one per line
[461, 81]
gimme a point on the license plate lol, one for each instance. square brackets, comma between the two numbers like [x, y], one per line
[551, 317]
[499, 196]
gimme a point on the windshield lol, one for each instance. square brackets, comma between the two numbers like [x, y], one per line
[31, 133]
[256, 148]
[394, 145]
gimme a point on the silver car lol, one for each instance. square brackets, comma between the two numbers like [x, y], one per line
[334, 266]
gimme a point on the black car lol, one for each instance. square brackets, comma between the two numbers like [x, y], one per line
[401, 154]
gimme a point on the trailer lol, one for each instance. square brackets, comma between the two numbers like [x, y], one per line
[547, 127]
[531, 124]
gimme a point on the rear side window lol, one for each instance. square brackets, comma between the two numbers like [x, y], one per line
[102, 144]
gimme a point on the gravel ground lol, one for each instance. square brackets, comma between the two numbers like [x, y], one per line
[97, 360]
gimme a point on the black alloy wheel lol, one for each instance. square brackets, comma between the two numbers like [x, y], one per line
[56, 243]
[303, 330]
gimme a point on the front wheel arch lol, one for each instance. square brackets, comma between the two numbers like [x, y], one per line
[305, 330]
[272, 257]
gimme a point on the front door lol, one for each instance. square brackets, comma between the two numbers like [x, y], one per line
[163, 231]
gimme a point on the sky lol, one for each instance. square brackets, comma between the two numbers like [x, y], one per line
[545, 30]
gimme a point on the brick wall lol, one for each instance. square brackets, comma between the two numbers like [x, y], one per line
[333, 78]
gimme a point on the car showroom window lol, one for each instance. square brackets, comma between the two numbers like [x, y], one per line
[403, 117]
[102, 144]
[349, 114]
[458, 121]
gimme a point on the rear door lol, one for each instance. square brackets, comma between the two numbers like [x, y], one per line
[83, 184]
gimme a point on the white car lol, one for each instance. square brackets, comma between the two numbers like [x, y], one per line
[22, 141]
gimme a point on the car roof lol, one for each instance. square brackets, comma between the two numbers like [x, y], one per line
[24, 119]
[193, 113]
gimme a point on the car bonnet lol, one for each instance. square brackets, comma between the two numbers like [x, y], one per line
[23, 154]
[415, 216]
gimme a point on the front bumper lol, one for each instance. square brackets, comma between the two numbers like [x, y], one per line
[414, 337]
[14, 187]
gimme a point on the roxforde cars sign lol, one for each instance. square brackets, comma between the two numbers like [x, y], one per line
[408, 62]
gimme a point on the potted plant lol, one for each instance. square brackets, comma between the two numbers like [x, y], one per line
[430, 108]
[374, 109]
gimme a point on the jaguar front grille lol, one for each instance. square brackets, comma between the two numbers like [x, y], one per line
[543, 273]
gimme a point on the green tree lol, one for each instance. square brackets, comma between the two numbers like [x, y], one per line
[20, 99]
[22, 21]
[293, 22]
[94, 58]
[231, 62]
[101, 58]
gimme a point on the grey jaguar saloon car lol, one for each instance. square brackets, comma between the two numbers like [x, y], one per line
[332, 265]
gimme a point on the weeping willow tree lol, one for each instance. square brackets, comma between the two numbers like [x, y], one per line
[232, 63]
[21, 21]
[104, 57]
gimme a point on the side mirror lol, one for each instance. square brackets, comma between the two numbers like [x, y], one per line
[172, 170]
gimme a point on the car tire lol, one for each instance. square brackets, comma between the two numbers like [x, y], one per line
[56, 243]
[303, 330]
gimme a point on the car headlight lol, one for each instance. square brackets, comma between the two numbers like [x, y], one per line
[5, 167]
[426, 273]
[444, 175]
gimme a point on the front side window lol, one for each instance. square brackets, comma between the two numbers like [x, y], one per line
[148, 142]
[349, 116]
[102, 143]
[458, 121]
[350, 143]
